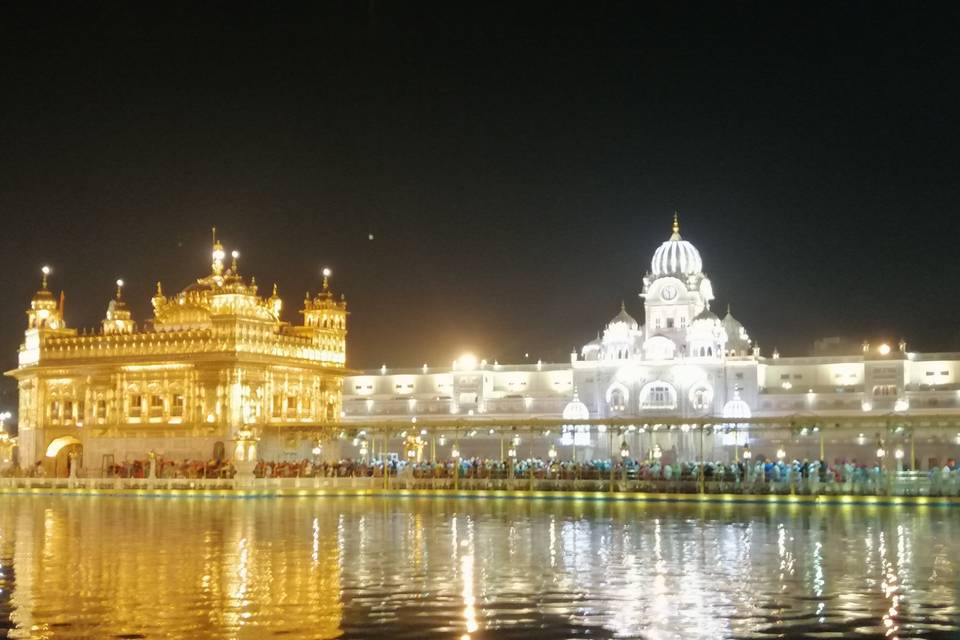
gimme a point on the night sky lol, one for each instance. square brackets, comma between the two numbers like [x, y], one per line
[517, 164]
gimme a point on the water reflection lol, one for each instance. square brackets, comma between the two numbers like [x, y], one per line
[411, 568]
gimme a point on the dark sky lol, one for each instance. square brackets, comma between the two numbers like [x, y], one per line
[517, 163]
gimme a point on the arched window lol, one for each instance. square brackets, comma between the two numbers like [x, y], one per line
[658, 395]
[701, 397]
[617, 397]
[617, 400]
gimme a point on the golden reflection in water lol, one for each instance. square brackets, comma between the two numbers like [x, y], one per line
[379, 568]
[890, 591]
[208, 576]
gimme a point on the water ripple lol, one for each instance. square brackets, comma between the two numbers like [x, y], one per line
[381, 568]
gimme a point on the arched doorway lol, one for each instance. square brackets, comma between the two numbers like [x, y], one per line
[58, 455]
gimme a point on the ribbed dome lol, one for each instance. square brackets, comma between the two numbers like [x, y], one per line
[575, 409]
[737, 337]
[625, 318]
[707, 315]
[730, 323]
[736, 408]
[676, 256]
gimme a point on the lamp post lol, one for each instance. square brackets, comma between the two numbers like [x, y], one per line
[624, 455]
[702, 458]
[6, 443]
[882, 464]
[747, 456]
[913, 454]
[455, 454]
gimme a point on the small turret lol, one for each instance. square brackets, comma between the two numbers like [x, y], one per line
[276, 304]
[44, 312]
[118, 318]
[325, 321]
[324, 311]
[44, 319]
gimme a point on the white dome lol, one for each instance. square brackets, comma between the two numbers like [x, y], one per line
[706, 317]
[676, 256]
[736, 334]
[624, 318]
[736, 408]
[576, 410]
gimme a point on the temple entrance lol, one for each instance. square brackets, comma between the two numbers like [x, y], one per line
[58, 455]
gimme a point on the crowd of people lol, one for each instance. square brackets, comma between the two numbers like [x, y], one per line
[746, 476]
[759, 476]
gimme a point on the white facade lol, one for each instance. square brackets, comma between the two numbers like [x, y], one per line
[682, 361]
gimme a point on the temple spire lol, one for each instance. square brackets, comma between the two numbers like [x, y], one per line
[676, 221]
[216, 254]
[119, 289]
[45, 271]
[327, 272]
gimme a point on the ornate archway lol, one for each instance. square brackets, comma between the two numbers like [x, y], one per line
[58, 455]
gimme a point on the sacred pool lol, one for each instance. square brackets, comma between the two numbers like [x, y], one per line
[432, 567]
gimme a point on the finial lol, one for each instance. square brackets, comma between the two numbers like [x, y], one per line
[119, 289]
[274, 288]
[676, 221]
[45, 270]
[326, 277]
[728, 308]
[159, 289]
[623, 307]
[217, 255]
[235, 255]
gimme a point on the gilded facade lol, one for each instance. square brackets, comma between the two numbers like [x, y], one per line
[215, 359]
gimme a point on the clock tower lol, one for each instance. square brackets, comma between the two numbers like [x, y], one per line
[675, 291]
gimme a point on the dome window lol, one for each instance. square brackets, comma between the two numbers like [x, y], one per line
[658, 395]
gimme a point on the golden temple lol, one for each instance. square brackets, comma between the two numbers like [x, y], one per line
[215, 360]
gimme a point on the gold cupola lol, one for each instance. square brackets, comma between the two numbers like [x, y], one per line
[44, 312]
[325, 321]
[118, 318]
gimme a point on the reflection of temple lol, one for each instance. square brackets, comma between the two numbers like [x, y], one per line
[215, 358]
[121, 568]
